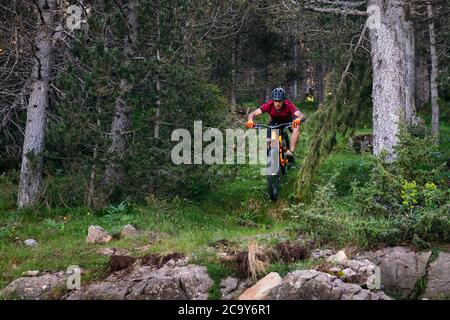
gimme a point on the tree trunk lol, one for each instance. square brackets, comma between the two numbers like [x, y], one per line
[158, 81]
[434, 74]
[121, 123]
[294, 92]
[388, 41]
[32, 157]
[303, 66]
[410, 107]
[233, 77]
[422, 93]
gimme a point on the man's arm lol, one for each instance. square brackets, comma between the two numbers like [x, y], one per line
[250, 124]
[300, 115]
[252, 115]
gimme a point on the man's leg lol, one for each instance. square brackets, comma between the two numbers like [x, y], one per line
[294, 138]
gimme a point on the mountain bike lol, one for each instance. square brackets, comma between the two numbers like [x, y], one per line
[277, 162]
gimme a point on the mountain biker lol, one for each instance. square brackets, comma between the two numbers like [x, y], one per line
[281, 110]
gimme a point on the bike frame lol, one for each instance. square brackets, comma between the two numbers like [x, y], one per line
[277, 135]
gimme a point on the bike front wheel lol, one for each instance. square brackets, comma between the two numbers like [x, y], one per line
[273, 174]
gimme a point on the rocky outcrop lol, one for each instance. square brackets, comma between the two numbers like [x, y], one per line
[43, 287]
[400, 269]
[189, 282]
[315, 285]
[361, 272]
[438, 285]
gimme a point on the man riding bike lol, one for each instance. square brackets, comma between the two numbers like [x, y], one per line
[281, 110]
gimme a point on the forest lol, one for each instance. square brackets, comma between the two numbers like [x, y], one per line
[124, 146]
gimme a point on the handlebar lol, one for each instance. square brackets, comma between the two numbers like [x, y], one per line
[285, 125]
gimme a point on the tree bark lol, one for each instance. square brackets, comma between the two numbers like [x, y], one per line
[121, 123]
[434, 74]
[388, 41]
[30, 184]
[422, 93]
[294, 92]
[233, 76]
[158, 81]
[410, 107]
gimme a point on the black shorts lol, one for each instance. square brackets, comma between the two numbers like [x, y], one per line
[273, 122]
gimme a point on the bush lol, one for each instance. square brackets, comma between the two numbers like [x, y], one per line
[412, 190]
[393, 202]
[8, 190]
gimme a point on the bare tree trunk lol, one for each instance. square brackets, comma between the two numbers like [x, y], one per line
[233, 77]
[158, 81]
[389, 75]
[91, 200]
[434, 74]
[320, 73]
[422, 93]
[293, 90]
[32, 158]
[121, 123]
[303, 66]
[410, 107]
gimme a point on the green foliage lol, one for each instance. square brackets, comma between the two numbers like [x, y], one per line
[120, 214]
[412, 189]
[341, 113]
[63, 190]
[409, 194]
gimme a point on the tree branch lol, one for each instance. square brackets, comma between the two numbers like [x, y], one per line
[345, 12]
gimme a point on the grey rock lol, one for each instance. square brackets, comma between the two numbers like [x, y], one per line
[36, 288]
[438, 285]
[320, 254]
[359, 272]
[232, 288]
[339, 257]
[31, 273]
[113, 251]
[400, 268]
[30, 243]
[129, 231]
[316, 285]
[228, 288]
[147, 283]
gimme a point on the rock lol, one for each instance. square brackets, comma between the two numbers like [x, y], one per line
[400, 268]
[232, 288]
[359, 272]
[438, 285]
[31, 273]
[181, 262]
[339, 257]
[30, 243]
[320, 254]
[97, 234]
[316, 285]
[128, 231]
[262, 287]
[227, 287]
[46, 286]
[112, 251]
[147, 283]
